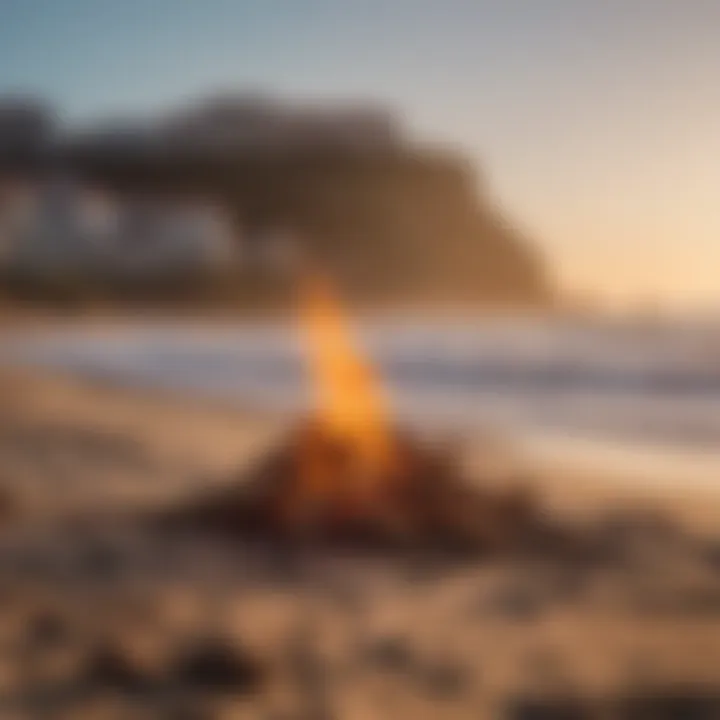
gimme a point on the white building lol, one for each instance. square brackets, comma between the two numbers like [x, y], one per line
[43, 227]
[173, 237]
[64, 227]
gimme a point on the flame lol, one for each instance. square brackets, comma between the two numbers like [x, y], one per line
[349, 406]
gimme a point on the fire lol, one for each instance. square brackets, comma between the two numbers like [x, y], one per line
[349, 476]
[350, 408]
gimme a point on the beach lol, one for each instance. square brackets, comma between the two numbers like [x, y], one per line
[336, 636]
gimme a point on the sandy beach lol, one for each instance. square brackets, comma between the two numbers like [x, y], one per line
[101, 619]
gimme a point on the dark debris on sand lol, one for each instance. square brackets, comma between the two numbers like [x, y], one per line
[660, 703]
[215, 665]
[198, 674]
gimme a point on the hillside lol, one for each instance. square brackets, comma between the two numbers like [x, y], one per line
[395, 226]
[395, 222]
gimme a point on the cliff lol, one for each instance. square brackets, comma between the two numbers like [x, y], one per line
[394, 226]
[395, 223]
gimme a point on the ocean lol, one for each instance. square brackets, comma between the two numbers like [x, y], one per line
[637, 391]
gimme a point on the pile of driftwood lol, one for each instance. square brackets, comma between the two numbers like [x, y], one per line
[423, 501]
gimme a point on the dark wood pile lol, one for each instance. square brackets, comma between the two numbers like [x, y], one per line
[427, 502]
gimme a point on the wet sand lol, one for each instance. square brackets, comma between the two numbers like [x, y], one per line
[102, 618]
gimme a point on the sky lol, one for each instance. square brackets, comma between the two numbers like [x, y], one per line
[595, 122]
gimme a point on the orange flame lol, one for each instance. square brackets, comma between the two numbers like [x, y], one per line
[350, 406]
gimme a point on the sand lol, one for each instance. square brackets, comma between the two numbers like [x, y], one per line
[101, 618]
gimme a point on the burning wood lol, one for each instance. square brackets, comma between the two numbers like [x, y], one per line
[345, 475]
[423, 501]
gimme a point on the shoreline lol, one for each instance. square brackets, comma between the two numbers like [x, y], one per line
[213, 437]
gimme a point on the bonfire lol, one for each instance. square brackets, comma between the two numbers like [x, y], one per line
[347, 476]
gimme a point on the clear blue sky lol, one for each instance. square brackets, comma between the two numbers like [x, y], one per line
[597, 121]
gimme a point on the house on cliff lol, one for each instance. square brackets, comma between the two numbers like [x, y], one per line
[61, 227]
